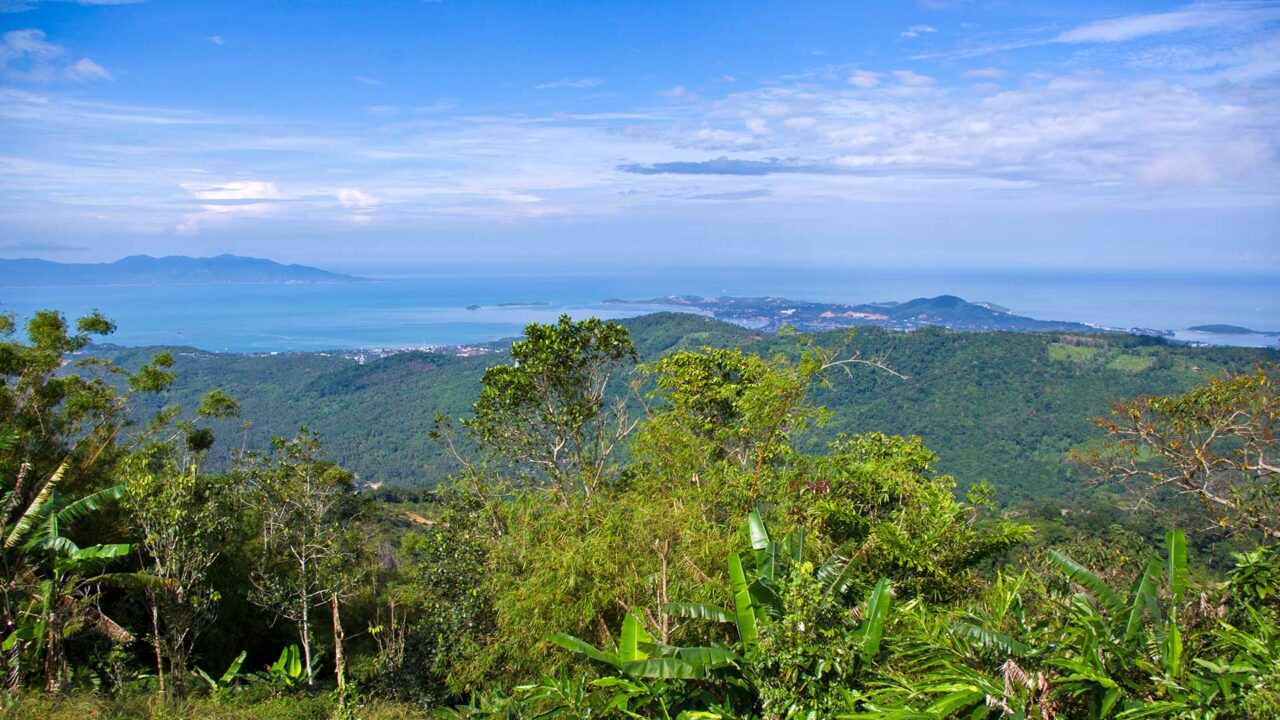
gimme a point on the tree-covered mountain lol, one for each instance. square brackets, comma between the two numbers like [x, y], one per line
[147, 270]
[1004, 407]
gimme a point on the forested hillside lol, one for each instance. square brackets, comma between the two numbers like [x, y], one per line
[1003, 407]
[705, 557]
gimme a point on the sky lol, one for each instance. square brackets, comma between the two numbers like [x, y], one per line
[1118, 135]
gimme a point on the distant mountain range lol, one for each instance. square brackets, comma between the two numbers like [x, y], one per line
[771, 313]
[174, 269]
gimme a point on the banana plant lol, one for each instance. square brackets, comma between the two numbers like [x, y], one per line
[227, 679]
[638, 656]
[964, 662]
[68, 576]
[288, 672]
[643, 666]
[1124, 653]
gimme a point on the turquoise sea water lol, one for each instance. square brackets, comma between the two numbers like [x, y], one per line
[430, 308]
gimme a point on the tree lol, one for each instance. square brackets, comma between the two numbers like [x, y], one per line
[1215, 444]
[61, 580]
[545, 412]
[876, 498]
[309, 553]
[185, 518]
[732, 417]
[59, 437]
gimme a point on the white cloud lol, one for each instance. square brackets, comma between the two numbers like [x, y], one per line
[1193, 17]
[989, 73]
[355, 199]
[911, 79]
[570, 83]
[864, 78]
[85, 69]
[829, 140]
[675, 92]
[217, 39]
[7, 6]
[236, 190]
[1182, 167]
[363, 80]
[27, 55]
[917, 30]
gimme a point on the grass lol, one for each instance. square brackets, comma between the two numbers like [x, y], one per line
[1131, 363]
[1077, 353]
[97, 706]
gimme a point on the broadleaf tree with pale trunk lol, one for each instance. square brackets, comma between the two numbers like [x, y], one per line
[309, 554]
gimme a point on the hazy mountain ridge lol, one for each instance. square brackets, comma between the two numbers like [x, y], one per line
[147, 270]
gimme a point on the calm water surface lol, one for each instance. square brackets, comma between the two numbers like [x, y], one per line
[430, 309]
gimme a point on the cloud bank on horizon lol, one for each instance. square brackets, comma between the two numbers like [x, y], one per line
[1112, 135]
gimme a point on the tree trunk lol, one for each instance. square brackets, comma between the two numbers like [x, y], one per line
[155, 642]
[53, 654]
[339, 656]
[306, 641]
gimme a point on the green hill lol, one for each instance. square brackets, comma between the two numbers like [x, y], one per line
[1004, 407]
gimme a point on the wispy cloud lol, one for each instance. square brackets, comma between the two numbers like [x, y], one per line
[217, 39]
[27, 55]
[236, 190]
[1193, 17]
[864, 78]
[9, 6]
[989, 73]
[916, 31]
[735, 195]
[570, 83]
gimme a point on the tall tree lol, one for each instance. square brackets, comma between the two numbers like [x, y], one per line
[1215, 444]
[185, 517]
[546, 412]
[308, 508]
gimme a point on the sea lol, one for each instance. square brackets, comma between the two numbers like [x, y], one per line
[431, 308]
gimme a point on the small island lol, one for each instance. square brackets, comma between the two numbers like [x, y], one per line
[1230, 330]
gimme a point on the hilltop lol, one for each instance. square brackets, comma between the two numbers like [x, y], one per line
[147, 270]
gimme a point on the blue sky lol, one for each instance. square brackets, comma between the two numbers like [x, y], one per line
[1003, 134]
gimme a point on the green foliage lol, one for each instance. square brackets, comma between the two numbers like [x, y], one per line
[994, 406]
[309, 555]
[1255, 579]
[875, 498]
[1215, 444]
[859, 585]
[228, 677]
[545, 412]
[435, 616]
[184, 519]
